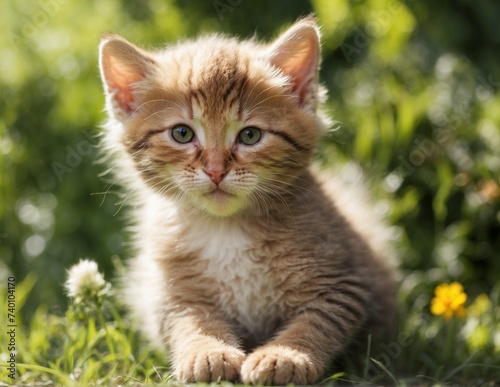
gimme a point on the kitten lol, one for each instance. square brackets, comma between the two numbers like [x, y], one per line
[247, 268]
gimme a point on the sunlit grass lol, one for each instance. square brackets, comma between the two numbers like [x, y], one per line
[415, 107]
[93, 344]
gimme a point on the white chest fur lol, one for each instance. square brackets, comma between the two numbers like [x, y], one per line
[245, 289]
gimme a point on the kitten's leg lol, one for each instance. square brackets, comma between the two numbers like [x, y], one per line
[204, 349]
[300, 353]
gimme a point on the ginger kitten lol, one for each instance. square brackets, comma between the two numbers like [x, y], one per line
[214, 137]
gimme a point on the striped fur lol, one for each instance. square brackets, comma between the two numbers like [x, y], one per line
[261, 277]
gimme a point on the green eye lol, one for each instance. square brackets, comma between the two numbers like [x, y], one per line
[250, 136]
[182, 134]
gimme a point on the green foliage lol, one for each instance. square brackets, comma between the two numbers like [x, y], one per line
[414, 91]
[90, 344]
[93, 344]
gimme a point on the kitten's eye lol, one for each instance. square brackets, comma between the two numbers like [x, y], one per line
[182, 134]
[250, 136]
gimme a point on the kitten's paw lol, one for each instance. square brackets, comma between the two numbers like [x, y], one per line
[278, 365]
[210, 365]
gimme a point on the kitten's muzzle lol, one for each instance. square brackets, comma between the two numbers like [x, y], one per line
[219, 193]
[216, 175]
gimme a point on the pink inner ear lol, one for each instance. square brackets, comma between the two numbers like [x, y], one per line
[296, 53]
[120, 81]
[122, 66]
[302, 69]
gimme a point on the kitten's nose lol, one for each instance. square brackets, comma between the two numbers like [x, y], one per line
[216, 175]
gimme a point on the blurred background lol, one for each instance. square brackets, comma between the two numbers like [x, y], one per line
[413, 89]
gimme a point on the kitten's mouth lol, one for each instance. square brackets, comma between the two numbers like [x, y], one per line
[219, 194]
[220, 202]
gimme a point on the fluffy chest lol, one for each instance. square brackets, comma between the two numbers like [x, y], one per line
[244, 281]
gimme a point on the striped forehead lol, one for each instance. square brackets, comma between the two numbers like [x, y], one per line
[216, 89]
[215, 95]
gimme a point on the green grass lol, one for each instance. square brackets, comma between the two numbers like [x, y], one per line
[93, 344]
[415, 104]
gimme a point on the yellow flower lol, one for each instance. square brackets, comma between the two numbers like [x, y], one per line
[449, 300]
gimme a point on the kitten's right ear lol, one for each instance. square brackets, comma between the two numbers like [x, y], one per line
[296, 53]
[122, 66]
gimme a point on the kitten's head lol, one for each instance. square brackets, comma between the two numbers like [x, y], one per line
[221, 125]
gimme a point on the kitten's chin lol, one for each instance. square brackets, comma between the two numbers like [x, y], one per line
[219, 203]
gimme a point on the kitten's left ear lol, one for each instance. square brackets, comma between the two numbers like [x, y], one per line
[296, 53]
[123, 66]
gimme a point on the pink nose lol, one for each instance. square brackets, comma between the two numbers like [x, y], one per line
[216, 175]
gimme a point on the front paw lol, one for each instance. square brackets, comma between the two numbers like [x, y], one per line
[278, 365]
[209, 365]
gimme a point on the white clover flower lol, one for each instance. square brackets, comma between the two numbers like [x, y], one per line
[84, 280]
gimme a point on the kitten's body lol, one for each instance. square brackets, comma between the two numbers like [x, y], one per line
[249, 262]
[240, 247]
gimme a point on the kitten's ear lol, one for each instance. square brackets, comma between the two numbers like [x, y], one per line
[122, 66]
[296, 53]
